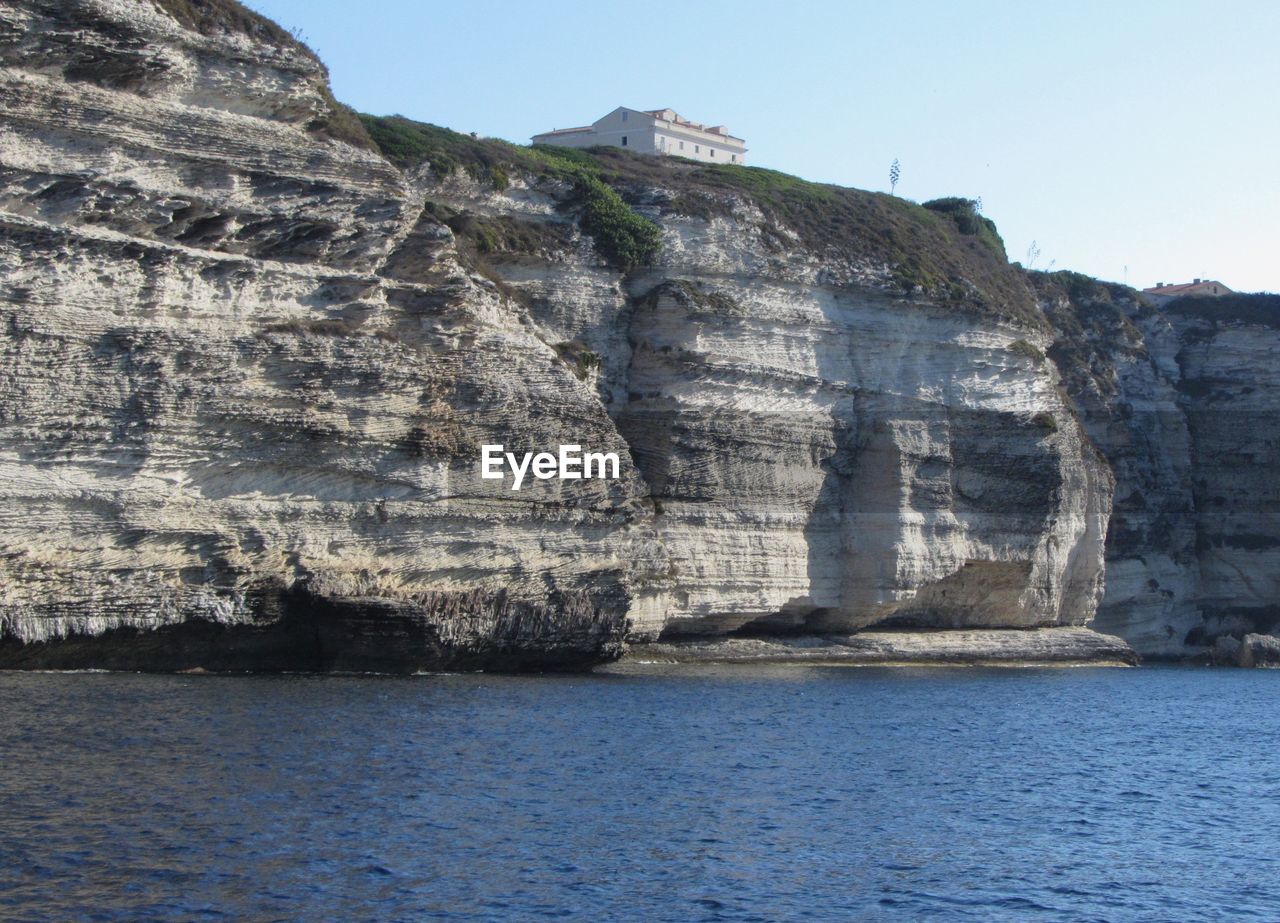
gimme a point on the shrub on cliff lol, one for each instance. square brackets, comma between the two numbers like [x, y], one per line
[968, 220]
[578, 356]
[622, 237]
[341, 123]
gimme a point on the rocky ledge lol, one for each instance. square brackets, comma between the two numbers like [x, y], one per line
[1028, 647]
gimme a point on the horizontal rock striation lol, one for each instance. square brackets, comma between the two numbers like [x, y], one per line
[235, 417]
[971, 647]
[1182, 402]
[252, 348]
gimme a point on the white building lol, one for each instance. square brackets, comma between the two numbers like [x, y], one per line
[658, 131]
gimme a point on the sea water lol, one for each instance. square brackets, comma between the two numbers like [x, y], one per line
[710, 793]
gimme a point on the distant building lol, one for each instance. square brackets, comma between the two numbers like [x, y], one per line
[1160, 293]
[655, 131]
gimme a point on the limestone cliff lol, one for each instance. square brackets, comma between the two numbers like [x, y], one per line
[252, 348]
[243, 391]
[1183, 403]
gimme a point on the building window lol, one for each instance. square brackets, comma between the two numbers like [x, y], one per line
[733, 158]
[712, 150]
[624, 140]
[682, 145]
[697, 148]
[624, 115]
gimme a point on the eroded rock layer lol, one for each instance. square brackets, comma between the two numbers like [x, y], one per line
[251, 357]
[1182, 401]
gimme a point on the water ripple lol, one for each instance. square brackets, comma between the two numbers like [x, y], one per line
[705, 794]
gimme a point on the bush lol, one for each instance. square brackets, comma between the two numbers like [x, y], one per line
[503, 234]
[622, 237]
[406, 143]
[968, 220]
[1029, 350]
[579, 357]
[1046, 421]
[341, 123]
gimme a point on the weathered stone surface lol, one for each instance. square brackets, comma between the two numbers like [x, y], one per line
[1033, 647]
[214, 383]
[248, 368]
[1254, 650]
[1183, 403]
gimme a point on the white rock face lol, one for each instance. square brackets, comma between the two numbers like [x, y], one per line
[1182, 402]
[224, 401]
[824, 454]
[978, 647]
[248, 369]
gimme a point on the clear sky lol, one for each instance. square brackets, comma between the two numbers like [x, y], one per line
[1130, 139]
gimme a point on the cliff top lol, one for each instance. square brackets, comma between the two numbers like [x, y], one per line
[944, 249]
[209, 17]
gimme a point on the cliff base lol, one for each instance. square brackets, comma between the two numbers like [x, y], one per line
[1031, 647]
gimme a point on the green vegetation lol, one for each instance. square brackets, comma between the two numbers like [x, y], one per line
[964, 212]
[579, 357]
[621, 236]
[1027, 350]
[771, 190]
[407, 143]
[1259, 308]
[341, 123]
[1079, 287]
[947, 254]
[505, 234]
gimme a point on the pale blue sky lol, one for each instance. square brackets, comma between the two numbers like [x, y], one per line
[1126, 133]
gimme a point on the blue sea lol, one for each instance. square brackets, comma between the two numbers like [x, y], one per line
[707, 793]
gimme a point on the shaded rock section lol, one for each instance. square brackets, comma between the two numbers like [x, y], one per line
[1182, 401]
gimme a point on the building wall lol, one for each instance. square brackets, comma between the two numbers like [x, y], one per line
[636, 127]
[646, 135]
[1209, 287]
[577, 139]
[696, 146]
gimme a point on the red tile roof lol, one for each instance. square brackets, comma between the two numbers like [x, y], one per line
[1183, 288]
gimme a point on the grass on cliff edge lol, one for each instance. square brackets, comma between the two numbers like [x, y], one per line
[944, 248]
[209, 17]
[623, 237]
